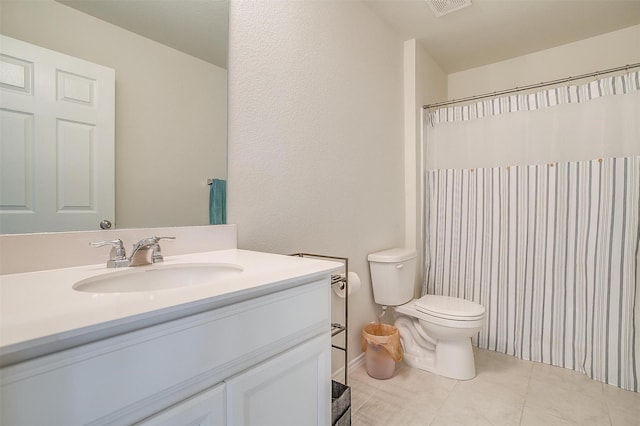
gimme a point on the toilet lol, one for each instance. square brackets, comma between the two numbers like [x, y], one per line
[435, 331]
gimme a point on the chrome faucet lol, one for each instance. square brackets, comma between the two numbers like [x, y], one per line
[147, 251]
[117, 256]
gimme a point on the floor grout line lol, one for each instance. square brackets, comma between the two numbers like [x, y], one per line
[606, 402]
[444, 401]
[526, 394]
[367, 399]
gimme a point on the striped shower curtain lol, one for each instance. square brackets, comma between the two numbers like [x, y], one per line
[550, 249]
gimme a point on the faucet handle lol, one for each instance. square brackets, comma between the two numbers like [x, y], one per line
[164, 238]
[117, 256]
[156, 255]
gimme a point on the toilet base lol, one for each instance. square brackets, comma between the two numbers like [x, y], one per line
[455, 359]
[451, 359]
[448, 358]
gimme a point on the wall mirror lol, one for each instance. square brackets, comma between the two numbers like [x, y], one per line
[170, 60]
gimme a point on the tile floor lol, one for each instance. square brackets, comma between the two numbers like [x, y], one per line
[506, 391]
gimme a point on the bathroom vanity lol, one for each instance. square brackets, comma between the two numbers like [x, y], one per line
[250, 348]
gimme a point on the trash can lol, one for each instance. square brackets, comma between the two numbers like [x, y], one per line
[382, 349]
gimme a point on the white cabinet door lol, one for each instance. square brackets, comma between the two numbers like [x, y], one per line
[293, 388]
[204, 409]
[57, 138]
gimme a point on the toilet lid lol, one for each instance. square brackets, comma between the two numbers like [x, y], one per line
[450, 307]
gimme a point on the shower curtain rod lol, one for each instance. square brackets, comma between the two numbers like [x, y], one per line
[531, 86]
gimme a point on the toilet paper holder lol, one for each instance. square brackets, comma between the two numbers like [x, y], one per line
[340, 281]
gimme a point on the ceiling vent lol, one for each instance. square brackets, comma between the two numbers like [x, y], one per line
[443, 7]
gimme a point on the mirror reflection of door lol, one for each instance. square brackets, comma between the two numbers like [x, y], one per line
[54, 107]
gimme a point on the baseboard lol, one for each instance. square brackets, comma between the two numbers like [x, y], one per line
[355, 363]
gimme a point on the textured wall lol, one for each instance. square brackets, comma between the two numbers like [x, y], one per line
[316, 134]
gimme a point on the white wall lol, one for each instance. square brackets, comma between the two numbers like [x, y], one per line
[609, 50]
[424, 82]
[168, 105]
[316, 135]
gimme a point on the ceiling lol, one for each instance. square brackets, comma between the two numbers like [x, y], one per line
[487, 31]
[495, 30]
[197, 27]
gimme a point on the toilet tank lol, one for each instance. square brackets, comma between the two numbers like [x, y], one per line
[393, 274]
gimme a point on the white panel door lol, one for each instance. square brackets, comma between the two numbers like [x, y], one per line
[293, 388]
[57, 135]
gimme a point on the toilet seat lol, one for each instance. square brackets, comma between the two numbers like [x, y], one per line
[409, 309]
[451, 308]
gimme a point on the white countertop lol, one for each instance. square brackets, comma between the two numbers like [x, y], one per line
[40, 312]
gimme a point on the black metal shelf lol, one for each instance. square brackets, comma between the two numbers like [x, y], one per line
[343, 282]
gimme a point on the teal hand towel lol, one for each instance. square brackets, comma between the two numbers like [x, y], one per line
[218, 202]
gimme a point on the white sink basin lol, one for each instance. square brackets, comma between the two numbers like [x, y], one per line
[158, 277]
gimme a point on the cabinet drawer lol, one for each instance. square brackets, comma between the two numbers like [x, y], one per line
[206, 408]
